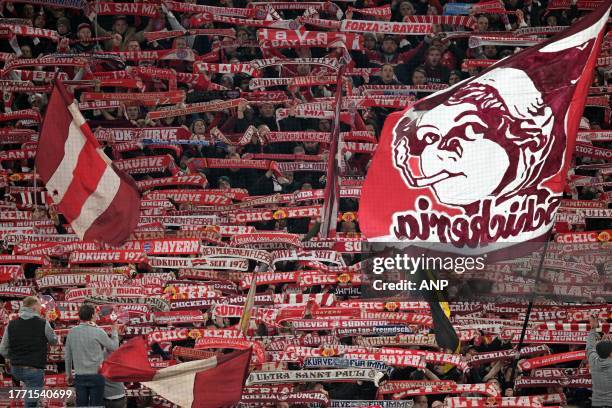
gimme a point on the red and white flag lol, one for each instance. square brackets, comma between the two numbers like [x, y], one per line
[485, 160]
[211, 383]
[99, 201]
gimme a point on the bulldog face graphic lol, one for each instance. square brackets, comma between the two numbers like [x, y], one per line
[489, 139]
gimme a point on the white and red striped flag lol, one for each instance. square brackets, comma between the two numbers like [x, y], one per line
[99, 201]
[210, 383]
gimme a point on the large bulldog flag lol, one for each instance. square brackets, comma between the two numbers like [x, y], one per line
[99, 201]
[485, 160]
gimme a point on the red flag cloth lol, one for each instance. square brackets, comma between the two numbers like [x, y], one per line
[99, 201]
[486, 160]
[222, 386]
[129, 363]
[211, 383]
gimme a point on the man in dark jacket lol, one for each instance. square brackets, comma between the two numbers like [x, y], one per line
[24, 344]
[436, 72]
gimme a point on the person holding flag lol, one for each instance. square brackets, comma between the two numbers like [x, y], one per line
[84, 351]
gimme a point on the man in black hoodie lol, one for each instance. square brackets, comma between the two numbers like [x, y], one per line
[24, 344]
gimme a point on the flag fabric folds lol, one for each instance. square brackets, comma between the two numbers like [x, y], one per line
[485, 160]
[99, 201]
[211, 383]
[446, 336]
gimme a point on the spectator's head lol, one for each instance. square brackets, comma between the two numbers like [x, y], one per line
[509, 392]
[551, 20]
[180, 43]
[224, 183]
[133, 46]
[84, 32]
[87, 312]
[26, 51]
[266, 110]
[434, 55]
[132, 112]
[437, 404]
[32, 302]
[604, 349]
[234, 156]
[168, 121]
[490, 51]
[299, 150]
[38, 101]
[406, 9]
[227, 81]
[387, 73]
[243, 82]
[63, 26]
[420, 401]
[306, 187]
[120, 24]
[39, 21]
[389, 45]
[449, 60]
[28, 11]
[504, 53]
[369, 41]
[419, 77]
[242, 34]
[470, 351]
[324, 125]
[198, 127]
[57, 12]
[482, 24]
[454, 77]
[311, 147]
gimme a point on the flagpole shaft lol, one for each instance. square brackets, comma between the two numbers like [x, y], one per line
[330, 206]
[530, 306]
[35, 190]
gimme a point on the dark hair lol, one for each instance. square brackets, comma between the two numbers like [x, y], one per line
[86, 312]
[604, 348]
[434, 48]
[456, 72]
[420, 69]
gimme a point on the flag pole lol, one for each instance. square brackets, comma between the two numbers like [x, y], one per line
[35, 190]
[245, 319]
[330, 206]
[530, 306]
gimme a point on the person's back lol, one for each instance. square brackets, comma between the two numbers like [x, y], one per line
[25, 343]
[599, 355]
[84, 351]
[28, 344]
[87, 343]
[114, 395]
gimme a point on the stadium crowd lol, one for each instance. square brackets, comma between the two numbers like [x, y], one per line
[224, 114]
